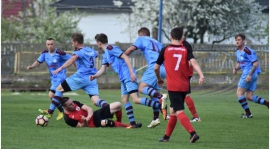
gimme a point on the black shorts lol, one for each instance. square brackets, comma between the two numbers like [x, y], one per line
[177, 100]
[189, 91]
[102, 114]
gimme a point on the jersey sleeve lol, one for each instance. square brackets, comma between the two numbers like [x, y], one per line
[116, 51]
[41, 57]
[78, 103]
[64, 55]
[70, 122]
[187, 45]
[160, 59]
[138, 43]
[251, 55]
[190, 54]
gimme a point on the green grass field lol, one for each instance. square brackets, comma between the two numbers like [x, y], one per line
[220, 128]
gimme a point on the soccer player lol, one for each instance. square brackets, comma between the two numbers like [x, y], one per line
[85, 62]
[247, 61]
[176, 58]
[148, 85]
[120, 63]
[77, 114]
[54, 59]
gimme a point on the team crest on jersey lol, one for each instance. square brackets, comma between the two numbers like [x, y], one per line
[78, 108]
[72, 116]
[241, 58]
[109, 47]
[54, 60]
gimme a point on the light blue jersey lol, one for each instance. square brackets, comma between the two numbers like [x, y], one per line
[111, 57]
[150, 48]
[54, 61]
[245, 58]
[85, 62]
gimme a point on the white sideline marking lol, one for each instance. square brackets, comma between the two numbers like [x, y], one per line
[16, 93]
[75, 94]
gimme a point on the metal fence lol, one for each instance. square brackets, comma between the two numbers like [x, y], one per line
[212, 58]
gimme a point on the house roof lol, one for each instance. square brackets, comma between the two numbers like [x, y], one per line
[108, 5]
[93, 5]
[12, 8]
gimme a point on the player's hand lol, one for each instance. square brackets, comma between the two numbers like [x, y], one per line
[133, 77]
[248, 78]
[201, 80]
[160, 82]
[28, 67]
[57, 70]
[234, 71]
[91, 78]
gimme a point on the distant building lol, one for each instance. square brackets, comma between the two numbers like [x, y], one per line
[102, 16]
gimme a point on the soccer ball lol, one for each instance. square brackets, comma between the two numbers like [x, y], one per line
[42, 120]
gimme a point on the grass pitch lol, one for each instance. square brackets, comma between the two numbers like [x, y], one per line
[220, 128]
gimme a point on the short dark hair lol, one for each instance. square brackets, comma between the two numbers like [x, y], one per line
[177, 33]
[144, 30]
[77, 37]
[241, 35]
[101, 38]
[50, 39]
[64, 100]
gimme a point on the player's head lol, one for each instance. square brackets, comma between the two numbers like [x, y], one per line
[77, 40]
[176, 33]
[101, 39]
[67, 104]
[50, 44]
[240, 40]
[143, 32]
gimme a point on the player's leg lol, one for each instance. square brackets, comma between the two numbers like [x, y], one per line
[92, 90]
[111, 123]
[148, 85]
[170, 126]
[128, 105]
[116, 109]
[255, 98]
[242, 87]
[132, 88]
[192, 109]
[59, 106]
[177, 101]
[74, 82]
[191, 105]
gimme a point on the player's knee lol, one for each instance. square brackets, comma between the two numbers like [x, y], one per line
[109, 123]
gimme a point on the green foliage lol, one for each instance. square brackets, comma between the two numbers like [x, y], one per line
[220, 127]
[39, 22]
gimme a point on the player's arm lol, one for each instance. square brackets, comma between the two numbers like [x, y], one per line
[127, 61]
[66, 64]
[34, 65]
[236, 68]
[195, 65]
[84, 124]
[159, 62]
[89, 111]
[130, 50]
[100, 72]
[254, 67]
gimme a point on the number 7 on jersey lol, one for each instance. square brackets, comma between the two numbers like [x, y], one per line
[179, 57]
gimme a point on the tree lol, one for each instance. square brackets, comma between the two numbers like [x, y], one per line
[39, 22]
[221, 19]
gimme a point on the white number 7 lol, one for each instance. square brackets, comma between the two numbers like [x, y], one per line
[179, 57]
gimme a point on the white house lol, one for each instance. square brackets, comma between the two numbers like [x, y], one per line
[103, 16]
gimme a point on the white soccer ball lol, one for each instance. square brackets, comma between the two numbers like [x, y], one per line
[42, 120]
